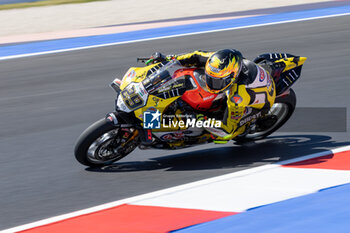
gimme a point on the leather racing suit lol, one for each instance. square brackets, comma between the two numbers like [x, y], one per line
[249, 98]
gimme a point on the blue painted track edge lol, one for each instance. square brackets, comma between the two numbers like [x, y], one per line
[107, 39]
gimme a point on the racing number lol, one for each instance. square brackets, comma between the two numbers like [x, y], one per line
[131, 98]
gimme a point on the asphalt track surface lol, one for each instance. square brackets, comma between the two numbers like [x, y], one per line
[47, 101]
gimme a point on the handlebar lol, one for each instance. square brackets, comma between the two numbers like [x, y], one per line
[142, 59]
[151, 60]
[145, 60]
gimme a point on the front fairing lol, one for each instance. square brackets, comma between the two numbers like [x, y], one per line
[152, 82]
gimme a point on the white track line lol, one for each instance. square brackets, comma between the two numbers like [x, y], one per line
[171, 190]
[240, 194]
[164, 37]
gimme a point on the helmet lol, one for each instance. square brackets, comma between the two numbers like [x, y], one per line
[222, 69]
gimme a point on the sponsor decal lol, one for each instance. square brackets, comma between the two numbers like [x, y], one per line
[121, 105]
[217, 132]
[151, 109]
[164, 89]
[131, 74]
[172, 136]
[219, 96]
[149, 135]
[126, 135]
[117, 81]
[249, 118]
[262, 75]
[235, 115]
[166, 137]
[178, 135]
[178, 85]
[236, 98]
[142, 89]
[260, 98]
[272, 88]
[268, 80]
[209, 97]
[128, 76]
[151, 118]
[247, 111]
[156, 101]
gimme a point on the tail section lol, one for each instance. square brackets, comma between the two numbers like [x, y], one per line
[283, 67]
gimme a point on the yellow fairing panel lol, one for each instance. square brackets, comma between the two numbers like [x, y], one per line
[290, 62]
[239, 99]
[158, 103]
[135, 74]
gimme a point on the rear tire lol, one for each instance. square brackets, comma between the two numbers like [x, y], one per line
[287, 102]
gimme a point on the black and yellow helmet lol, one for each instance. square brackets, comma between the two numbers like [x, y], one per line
[222, 69]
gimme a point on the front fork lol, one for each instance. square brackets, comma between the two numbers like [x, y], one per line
[117, 118]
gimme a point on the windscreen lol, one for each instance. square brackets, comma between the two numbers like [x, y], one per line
[162, 77]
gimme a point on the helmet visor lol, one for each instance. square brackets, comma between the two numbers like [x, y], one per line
[218, 84]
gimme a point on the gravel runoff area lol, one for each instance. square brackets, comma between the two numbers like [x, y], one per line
[114, 12]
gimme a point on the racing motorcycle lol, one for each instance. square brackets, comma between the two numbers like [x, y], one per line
[169, 92]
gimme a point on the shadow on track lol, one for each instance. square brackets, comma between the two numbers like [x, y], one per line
[269, 150]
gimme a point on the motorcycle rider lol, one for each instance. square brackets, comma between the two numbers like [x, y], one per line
[249, 88]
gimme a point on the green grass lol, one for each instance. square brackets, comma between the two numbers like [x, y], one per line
[42, 3]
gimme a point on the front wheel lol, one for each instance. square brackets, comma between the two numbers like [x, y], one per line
[278, 115]
[102, 144]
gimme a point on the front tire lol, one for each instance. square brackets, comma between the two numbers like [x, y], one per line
[98, 145]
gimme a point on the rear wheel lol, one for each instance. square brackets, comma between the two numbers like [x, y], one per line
[278, 115]
[101, 144]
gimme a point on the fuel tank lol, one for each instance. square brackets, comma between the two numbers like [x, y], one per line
[199, 97]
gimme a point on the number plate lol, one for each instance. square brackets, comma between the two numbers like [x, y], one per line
[134, 96]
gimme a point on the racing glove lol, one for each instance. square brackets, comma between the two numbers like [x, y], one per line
[155, 58]
[158, 57]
